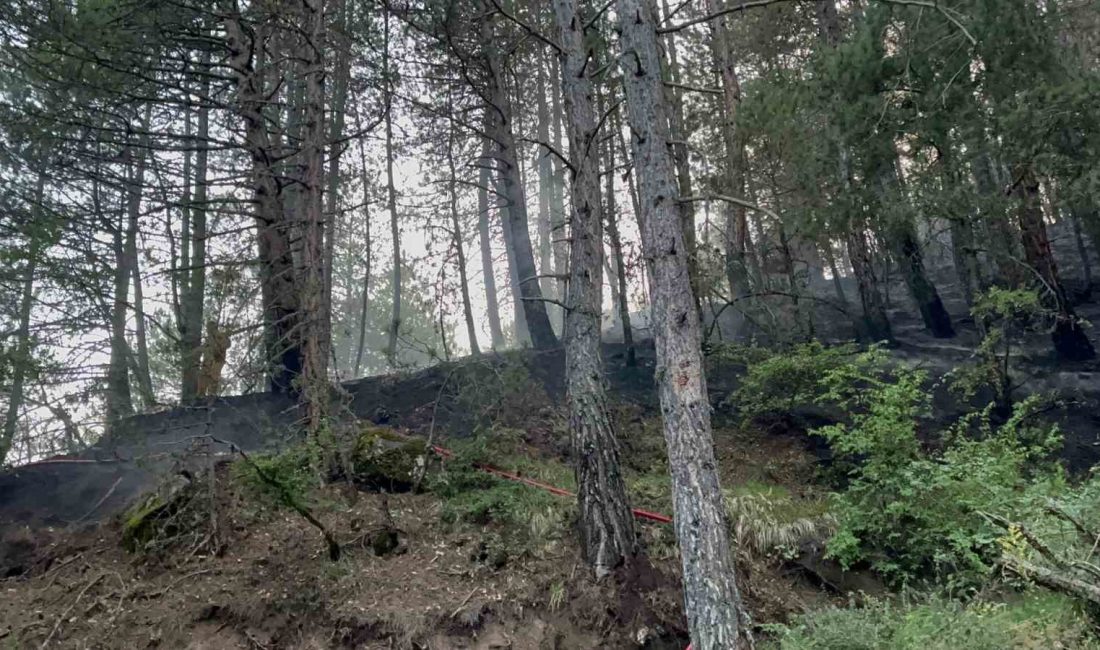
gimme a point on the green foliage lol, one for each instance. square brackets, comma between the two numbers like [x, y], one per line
[1004, 315]
[289, 470]
[913, 513]
[1036, 620]
[521, 518]
[777, 383]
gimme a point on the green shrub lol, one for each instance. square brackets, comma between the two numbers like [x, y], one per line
[289, 469]
[912, 513]
[1036, 620]
[778, 383]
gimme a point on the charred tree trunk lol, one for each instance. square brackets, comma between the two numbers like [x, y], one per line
[876, 326]
[135, 185]
[559, 225]
[910, 259]
[119, 399]
[712, 601]
[507, 166]
[1069, 338]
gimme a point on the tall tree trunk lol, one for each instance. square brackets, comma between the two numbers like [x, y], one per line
[507, 166]
[483, 188]
[519, 315]
[680, 156]
[277, 272]
[133, 213]
[341, 72]
[547, 187]
[22, 356]
[712, 601]
[901, 235]
[1082, 250]
[876, 324]
[194, 296]
[119, 400]
[460, 246]
[734, 170]
[391, 199]
[1002, 242]
[315, 387]
[559, 225]
[606, 522]
[1069, 338]
[621, 296]
[364, 305]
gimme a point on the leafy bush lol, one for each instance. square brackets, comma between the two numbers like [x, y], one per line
[1036, 620]
[778, 383]
[289, 469]
[912, 513]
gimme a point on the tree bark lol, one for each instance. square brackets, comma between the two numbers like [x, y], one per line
[391, 200]
[507, 167]
[460, 246]
[315, 386]
[135, 185]
[341, 73]
[712, 601]
[1069, 338]
[22, 356]
[547, 186]
[681, 158]
[364, 305]
[606, 522]
[621, 295]
[734, 170]
[194, 295]
[278, 276]
[559, 225]
[483, 188]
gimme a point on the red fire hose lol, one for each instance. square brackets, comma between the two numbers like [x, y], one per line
[646, 515]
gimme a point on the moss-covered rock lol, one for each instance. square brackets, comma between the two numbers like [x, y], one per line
[384, 459]
[151, 517]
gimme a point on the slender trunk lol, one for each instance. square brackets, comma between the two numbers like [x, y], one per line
[195, 293]
[190, 356]
[519, 317]
[1082, 251]
[135, 185]
[620, 295]
[22, 357]
[460, 246]
[838, 286]
[507, 166]
[315, 387]
[483, 188]
[547, 186]
[1069, 338]
[364, 307]
[559, 225]
[1002, 243]
[712, 601]
[391, 199]
[341, 72]
[606, 522]
[119, 400]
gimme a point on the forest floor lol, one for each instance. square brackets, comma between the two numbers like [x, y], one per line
[477, 565]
